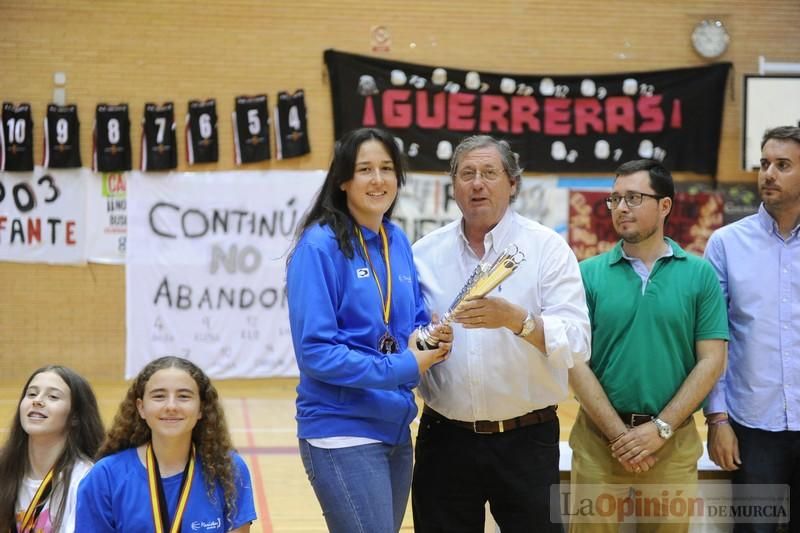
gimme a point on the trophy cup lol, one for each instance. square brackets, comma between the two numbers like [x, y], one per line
[481, 282]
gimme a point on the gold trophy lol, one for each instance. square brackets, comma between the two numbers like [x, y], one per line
[481, 282]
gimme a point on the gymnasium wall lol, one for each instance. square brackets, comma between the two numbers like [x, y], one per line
[148, 51]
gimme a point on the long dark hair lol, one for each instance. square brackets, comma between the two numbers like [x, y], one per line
[210, 435]
[330, 205]
[84, 435]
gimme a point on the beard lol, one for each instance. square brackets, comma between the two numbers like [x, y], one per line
[783, 199]
[637, 236]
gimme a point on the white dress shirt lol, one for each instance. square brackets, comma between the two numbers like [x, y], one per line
[492, 374]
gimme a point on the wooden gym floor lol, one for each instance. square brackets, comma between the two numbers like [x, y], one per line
[260, 416]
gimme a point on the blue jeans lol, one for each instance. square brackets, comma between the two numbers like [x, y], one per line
[361, 489]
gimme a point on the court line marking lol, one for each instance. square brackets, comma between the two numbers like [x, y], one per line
[270, 450]
[261, 495]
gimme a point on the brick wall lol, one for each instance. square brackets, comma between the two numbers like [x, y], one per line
[135, 52]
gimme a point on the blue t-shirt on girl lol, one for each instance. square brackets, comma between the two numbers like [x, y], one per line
[114, 497]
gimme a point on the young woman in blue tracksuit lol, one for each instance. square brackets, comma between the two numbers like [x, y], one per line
[354, 303]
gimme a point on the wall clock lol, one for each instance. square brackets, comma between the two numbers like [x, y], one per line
[710, 38]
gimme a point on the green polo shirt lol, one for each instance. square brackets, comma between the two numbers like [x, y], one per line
[643, 344]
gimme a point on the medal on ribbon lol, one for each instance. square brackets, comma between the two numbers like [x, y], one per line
[387, 344]
[37, 504]
[158, 502]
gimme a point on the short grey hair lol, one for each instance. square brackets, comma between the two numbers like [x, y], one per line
[509, 158]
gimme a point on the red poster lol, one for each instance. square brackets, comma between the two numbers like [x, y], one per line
[694, 217]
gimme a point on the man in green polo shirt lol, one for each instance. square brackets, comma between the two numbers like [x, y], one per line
[659, 328]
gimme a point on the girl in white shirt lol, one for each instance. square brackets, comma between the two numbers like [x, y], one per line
[55, 432]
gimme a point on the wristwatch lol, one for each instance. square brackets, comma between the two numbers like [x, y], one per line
[664, 429]
[528, 325]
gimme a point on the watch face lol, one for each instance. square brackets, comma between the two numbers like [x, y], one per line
[710, 38]
[664, 429]
[528, 325]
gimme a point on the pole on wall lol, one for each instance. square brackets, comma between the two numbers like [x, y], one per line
[776, 67]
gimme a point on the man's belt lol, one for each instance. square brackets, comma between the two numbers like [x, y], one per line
[635, 419]
[538, 416]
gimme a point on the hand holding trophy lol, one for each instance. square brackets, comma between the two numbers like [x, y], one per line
[426, 355]
[481, 282]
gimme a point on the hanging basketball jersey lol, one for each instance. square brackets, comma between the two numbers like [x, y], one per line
[291, 127]
[16, 138]
[112, 138]
[202, 145]
[62, 146]
[251, 129]
[159, 146]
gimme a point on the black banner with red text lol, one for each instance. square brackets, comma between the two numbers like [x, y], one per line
[559, 123]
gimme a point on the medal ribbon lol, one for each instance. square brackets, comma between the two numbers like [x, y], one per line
[158, 502]
[386, 303]
[37, 503]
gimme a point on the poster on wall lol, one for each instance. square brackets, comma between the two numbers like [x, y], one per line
[205, 274]
[739, 199]
[693, 219]
[769, 102]
[426, 202]
[560, 123]
[43, 216]
[106, 234]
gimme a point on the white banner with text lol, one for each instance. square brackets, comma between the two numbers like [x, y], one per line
[43, 216]
[205, 276]
[108, 218]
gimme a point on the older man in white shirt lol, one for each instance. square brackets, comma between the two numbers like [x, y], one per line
[489, 430]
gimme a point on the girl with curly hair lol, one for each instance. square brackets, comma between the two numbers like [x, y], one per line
[167, 463]
[55, 432]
